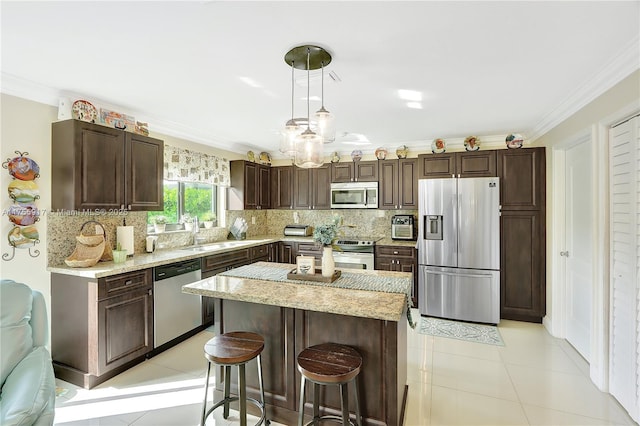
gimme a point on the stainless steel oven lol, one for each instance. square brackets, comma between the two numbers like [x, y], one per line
[355, 253]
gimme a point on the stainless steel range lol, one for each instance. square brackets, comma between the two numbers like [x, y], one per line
[357, 253]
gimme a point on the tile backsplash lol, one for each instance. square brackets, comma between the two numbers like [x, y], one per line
[62, 228]
[356, 222]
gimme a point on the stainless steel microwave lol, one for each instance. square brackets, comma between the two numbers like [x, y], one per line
[354, 195]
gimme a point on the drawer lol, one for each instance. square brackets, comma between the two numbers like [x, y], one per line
[259, 252]
[118, 284]
[395, 251]
[235, 257]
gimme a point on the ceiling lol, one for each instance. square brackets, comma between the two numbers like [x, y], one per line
[214, 71]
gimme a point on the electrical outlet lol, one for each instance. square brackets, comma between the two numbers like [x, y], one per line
[253, 220]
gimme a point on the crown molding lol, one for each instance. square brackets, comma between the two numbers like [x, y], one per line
[612, 73]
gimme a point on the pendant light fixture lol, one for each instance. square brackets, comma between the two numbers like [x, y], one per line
[308, 144]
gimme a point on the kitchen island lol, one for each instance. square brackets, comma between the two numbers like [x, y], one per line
[292, 315]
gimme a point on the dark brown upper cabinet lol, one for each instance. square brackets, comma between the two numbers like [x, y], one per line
[458, 164]
[398, 187]
[522, 184]
[98, 167]
[282, 187]
[250, 186]
[311, 188]
[356, 171]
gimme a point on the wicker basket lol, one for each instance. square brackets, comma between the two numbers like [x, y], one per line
[90, 249]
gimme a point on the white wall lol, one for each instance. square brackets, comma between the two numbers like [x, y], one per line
[26, 126]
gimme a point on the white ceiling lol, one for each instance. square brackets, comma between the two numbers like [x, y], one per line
[482, 68]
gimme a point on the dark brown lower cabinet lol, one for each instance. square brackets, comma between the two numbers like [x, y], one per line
[399, 259]
[101, 327]
[288, 252]
[522, 260]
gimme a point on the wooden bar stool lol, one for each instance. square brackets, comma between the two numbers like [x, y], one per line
[229, 349]
[329, 364]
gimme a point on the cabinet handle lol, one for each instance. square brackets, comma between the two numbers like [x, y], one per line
[129, 207]
[127, 282]
[395, 252]
[121, 206]
[150, 292]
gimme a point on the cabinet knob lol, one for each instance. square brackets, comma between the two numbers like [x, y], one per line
[150, 292]
[129, 207]
[395, 252]
[127, 282]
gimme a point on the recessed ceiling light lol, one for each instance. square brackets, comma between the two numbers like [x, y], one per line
[410, 95]
[414, 105]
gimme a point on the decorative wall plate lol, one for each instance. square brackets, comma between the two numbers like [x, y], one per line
[438, 146]
[23, 191]
[402, 151]
[84, 110]
[381, 153]
[23, 236]
[356, 155]
[22, 167]
[514, 141]
[265, 158]
[472, 143]
[23, 214]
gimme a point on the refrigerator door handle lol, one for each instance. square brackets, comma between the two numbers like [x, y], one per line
[458, 274]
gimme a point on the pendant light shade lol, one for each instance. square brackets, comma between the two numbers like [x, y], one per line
[291, 128]
[308, 144]
[326, 127]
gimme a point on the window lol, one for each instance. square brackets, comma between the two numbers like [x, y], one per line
[197, 199]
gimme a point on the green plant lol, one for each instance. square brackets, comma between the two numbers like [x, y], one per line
[325, 234]
[159, 220]
[208, 216]
[186, 218]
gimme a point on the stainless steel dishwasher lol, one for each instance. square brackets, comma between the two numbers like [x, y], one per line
[175, 313]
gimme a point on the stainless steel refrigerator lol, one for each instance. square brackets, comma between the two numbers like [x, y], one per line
[459, 249]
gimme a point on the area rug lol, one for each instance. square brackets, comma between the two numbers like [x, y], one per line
[470, 332]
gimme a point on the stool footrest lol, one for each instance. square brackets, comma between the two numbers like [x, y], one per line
[329, 417]
[235, 398]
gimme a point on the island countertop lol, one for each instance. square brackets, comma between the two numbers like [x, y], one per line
[308, 296]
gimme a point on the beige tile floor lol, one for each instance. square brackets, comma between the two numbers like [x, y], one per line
[534, 379]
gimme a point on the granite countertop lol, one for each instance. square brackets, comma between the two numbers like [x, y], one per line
[314, 297]
[399, 243]
[166, 256]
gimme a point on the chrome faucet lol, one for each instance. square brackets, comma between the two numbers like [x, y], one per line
[196, 229]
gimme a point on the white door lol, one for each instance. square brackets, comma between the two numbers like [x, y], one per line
[624, 346]
[578, 242]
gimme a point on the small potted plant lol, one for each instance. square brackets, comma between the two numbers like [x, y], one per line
[187, 221]
[159, 223]
[208, 218]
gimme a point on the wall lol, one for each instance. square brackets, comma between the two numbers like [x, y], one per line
[26, 126]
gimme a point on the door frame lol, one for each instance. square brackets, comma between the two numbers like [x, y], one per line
[557, 324]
